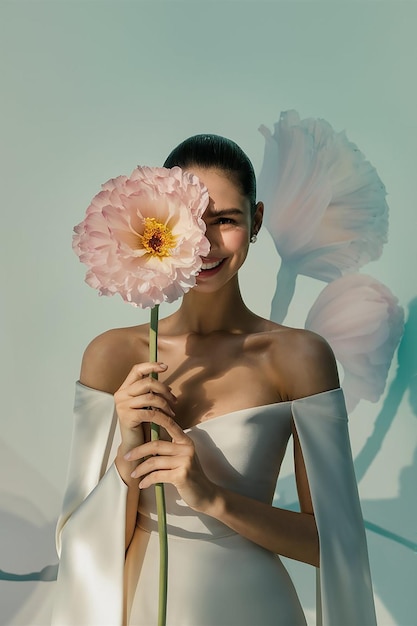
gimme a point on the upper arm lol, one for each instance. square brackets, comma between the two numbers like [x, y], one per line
[301, 479]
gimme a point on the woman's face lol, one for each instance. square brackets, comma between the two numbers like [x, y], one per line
[229, 228]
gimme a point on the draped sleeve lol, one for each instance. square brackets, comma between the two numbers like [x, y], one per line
[344, 588]
[90, 532]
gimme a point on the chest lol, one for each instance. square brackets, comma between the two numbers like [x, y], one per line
[215, 378]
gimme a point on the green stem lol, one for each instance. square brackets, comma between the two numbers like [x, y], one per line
[159, 488]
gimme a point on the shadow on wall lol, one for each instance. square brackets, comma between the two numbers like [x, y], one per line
[27, 522]
[405, 379]
[393, 565]
[24, 544]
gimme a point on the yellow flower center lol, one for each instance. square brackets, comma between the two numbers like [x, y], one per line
[157, 238]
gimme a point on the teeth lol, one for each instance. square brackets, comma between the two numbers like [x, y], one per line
[210, 266]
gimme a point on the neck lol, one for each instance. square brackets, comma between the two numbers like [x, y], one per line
[205, 313]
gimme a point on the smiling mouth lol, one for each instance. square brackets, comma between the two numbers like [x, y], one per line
[210, 265]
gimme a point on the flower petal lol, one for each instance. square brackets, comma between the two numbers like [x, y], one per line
[363, 323]
[325, 204]
[109, 240]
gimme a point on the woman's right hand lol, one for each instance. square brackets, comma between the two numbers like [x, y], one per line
[136, 401]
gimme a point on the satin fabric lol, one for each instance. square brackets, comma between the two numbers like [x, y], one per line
[243, 451]
[216, 577]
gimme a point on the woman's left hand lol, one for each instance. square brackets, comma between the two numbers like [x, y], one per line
[174, 462]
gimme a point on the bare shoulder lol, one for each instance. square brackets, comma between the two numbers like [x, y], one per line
[109, 357]
[305, 362]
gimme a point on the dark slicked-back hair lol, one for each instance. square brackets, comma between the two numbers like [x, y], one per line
[215, 151]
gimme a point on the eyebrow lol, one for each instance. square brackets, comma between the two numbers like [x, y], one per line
[231, 211]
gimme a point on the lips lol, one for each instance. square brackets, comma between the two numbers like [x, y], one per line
[210, 265]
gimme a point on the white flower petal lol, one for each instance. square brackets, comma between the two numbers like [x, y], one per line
[325, 204]
[361, 320]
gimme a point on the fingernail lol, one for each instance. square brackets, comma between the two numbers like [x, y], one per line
[127, 456]
[164, 367]
[133, 475]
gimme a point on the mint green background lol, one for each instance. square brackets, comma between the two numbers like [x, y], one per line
[91, 89]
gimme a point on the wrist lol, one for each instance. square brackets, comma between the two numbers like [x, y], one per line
[124, 467]
[216, 504]
[131, 438]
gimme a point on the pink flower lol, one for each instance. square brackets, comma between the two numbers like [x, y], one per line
[143, 236]
[325, 204]
[362, 322]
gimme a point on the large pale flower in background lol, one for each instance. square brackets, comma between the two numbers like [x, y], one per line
[143, 236]
[361, 320]
[325, 204]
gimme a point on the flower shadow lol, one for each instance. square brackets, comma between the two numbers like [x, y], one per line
[393, 565]
[24, 545]
[405, 378]
[27, 547]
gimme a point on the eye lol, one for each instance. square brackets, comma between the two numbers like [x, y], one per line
[225, 220]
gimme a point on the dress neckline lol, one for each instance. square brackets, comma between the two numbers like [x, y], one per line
[258, 408]
[215, 417]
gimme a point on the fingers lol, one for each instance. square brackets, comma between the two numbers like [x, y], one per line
[140, 397]
[156, 463]
[161, 476]
[159, 447]
[170, 425]
[150, 385]
[141, 370]
[165, 457]
[152, 403]
[174, 463]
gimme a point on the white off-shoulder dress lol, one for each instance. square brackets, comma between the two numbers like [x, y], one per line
[216, 577]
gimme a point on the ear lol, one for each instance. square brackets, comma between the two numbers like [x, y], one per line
[257, 218]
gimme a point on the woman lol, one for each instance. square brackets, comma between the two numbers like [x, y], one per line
[232, 389]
